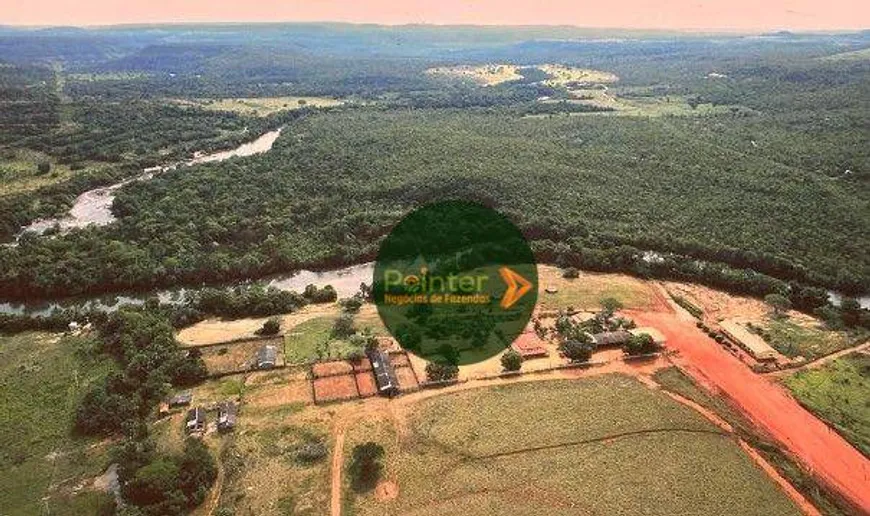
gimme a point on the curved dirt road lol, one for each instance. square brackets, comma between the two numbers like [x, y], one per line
[829, 458]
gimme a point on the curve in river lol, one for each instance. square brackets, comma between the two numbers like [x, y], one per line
[94, 207]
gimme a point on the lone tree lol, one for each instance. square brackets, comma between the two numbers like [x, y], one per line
[343, 327]
[640, 345]
[577, 350]
[570, 273]
[43, 167]
[271, 327]
[365, 466]
[352, 304]
[609, 305]
[438, 372]
[779, 303]
[511, 360]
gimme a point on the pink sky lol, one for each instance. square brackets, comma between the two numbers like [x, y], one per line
[664, 14]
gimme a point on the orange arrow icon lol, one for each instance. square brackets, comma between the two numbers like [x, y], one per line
[517, 287]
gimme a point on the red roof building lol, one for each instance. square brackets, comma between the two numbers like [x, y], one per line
[529, 345]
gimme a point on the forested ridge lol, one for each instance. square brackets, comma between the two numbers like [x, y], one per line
[767, 193]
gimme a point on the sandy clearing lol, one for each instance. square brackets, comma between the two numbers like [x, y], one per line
[213, 331]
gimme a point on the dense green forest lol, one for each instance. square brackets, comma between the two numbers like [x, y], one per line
[742, 161]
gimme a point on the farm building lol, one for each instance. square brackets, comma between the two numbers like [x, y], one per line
[227, 414]
[385, 375]
[529, 345]
[611, 339]
[656, 335]
[180, 400]
[267, 357]
[195, 420]
[752, 343]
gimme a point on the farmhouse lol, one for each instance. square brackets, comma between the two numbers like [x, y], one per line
[752, 343]
[611, 339]
[195, 420]
[227, 413]
[385, 375]
[529, 345]
[180, 400]
[267, 357]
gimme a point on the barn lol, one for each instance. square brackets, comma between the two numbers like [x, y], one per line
[385, 375]
[750, 342]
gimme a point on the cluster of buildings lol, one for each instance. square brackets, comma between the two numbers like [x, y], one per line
[196, 419]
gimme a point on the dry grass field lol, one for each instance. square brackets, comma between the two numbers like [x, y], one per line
[561, 448]
[263, 106]
[264, 473]
[586, 292]
[561, 75]
[485, 75]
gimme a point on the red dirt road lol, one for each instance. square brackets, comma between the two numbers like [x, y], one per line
[827, 455]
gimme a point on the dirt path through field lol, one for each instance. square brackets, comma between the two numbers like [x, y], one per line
[828, 456]
[337, 466]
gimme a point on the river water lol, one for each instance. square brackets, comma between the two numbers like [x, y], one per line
[94, 207]
[346, 282]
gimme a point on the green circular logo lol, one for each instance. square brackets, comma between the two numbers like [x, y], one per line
[455, 282]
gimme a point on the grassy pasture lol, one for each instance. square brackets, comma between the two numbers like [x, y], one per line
[18, 171]
[42, 379]
[311, 340]
[587, 291]
[839, 393]
[792, 340]
[263, 474]
[580, 447]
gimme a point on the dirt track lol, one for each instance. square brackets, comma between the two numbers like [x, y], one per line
[827, 455]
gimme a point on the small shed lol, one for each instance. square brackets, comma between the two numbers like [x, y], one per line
[611, 339]
[227, 414]
[195, 420]
[267, 357]
[385, 375]
[180, 400]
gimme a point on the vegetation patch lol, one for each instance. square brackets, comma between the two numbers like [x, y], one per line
[43, 378]
[792, 339]
[839, 393]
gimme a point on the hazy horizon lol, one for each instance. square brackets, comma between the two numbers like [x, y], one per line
[677, 15]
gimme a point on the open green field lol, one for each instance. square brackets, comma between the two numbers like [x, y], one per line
[839, 393]
[793, 340]
[561, 447]
[311, 340]
[42, 378]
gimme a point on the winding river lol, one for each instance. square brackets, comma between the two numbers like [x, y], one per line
[94, 207]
